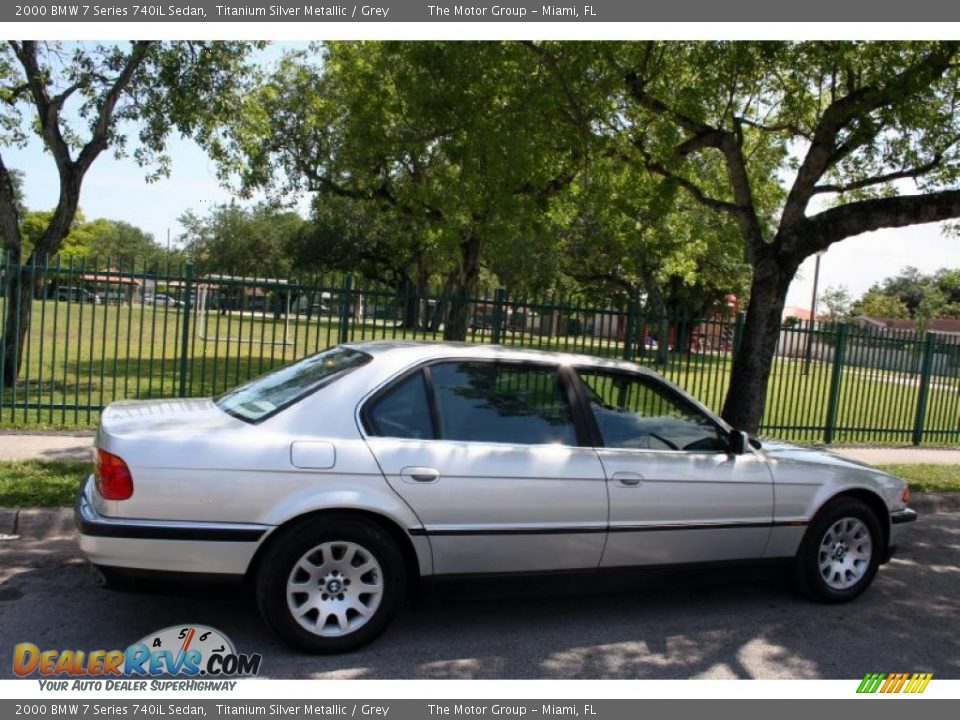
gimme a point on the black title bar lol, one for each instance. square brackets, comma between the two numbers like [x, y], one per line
[301, 11]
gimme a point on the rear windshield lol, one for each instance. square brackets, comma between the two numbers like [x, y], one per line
[270, 393]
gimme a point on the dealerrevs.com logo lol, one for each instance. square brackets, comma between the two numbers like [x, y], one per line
[894, 683]
[201, 654]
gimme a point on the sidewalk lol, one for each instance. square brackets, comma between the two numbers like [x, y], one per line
[76, 446]
[16, 445]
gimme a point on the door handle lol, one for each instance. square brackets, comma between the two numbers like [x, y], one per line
[627, 479]
[420, 474]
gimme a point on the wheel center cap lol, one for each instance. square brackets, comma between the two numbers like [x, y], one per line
[334, 586]
[839, 550]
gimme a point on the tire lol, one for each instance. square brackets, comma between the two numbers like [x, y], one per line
[840, 553]
[331, 584]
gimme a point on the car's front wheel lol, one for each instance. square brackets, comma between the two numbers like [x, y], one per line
[330, 584]
[840, 553]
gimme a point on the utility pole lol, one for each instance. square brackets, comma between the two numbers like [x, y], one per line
[813, 314]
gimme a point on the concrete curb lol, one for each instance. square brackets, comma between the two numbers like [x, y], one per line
[37, 523]
[935, 502]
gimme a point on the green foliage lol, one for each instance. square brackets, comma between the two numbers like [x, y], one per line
[876, 304]
[106, 241]
[835, 303]
[460, 146]
[232, 240]
[82, 98]
[476, 160]
[914, 294]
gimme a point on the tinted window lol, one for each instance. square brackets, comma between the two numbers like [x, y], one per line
[260, 398]
[403, 412]
[495, 402]
[641, 413]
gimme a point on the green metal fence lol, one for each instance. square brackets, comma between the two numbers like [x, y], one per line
[99, 331]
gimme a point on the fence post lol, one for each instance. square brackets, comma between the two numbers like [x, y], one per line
[926, 370]
[629, 340]
[499, 301]
[345, 309]
[835, 378]
[185, 330]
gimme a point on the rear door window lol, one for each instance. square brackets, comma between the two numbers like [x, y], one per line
[502, 402]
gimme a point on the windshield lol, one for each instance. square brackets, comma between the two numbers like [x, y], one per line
[267, 394]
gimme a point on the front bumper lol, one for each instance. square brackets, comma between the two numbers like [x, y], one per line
[899, 520]
[165, 545]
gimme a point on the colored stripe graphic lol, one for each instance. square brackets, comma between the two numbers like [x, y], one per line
[894, 683]
[871, 682]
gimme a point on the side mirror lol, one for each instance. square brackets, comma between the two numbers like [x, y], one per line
[739, 442]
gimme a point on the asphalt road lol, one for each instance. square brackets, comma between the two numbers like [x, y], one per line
[747, 625]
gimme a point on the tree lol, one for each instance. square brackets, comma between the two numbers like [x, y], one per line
[232, 240]
[877, 304]
[633, 236]
[82, 99]
[470, 141]
[847, 124]
[836, 302]
[350, 235]
[914, 294]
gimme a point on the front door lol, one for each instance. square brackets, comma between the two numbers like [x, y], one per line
[488, 456]
[677, 494]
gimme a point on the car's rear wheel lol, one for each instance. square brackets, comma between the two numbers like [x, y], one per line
[330, 584]
[840, 552]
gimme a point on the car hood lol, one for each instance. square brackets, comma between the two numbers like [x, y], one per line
[782, 451]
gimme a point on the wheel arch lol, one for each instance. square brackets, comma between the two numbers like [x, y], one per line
[869, 498]
[398, 534]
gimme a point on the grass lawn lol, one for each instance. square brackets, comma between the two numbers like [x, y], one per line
[928, 478]
[41, 483]
[80, 357]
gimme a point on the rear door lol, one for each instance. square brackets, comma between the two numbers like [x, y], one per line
[677, 495]
[489, 457]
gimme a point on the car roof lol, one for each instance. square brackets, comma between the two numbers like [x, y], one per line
[415, 350]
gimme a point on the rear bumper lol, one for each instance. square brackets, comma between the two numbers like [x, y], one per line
[164, 545]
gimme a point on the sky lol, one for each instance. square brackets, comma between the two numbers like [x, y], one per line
[117, 189]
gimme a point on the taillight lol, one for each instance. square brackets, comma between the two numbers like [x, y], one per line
[114, 481]
[906, 494]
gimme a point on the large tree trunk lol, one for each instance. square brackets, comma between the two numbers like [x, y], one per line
[461, 286]
[16, 324]
[747, 393]
[413, 293]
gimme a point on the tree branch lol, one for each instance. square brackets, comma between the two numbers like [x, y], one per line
[782, 127]
[381, 192]
[47, 112]
[9, 220]
[881, 179]
[694, 191]
[577, 115]
[857, 104]
[101, 129]
[830, 226]
[726, 142]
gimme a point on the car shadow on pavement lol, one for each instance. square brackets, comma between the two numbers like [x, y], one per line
[744, 624]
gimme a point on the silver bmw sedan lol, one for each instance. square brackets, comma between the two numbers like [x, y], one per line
[335, 483]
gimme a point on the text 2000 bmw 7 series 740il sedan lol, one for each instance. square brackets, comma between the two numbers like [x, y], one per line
[336, 482]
